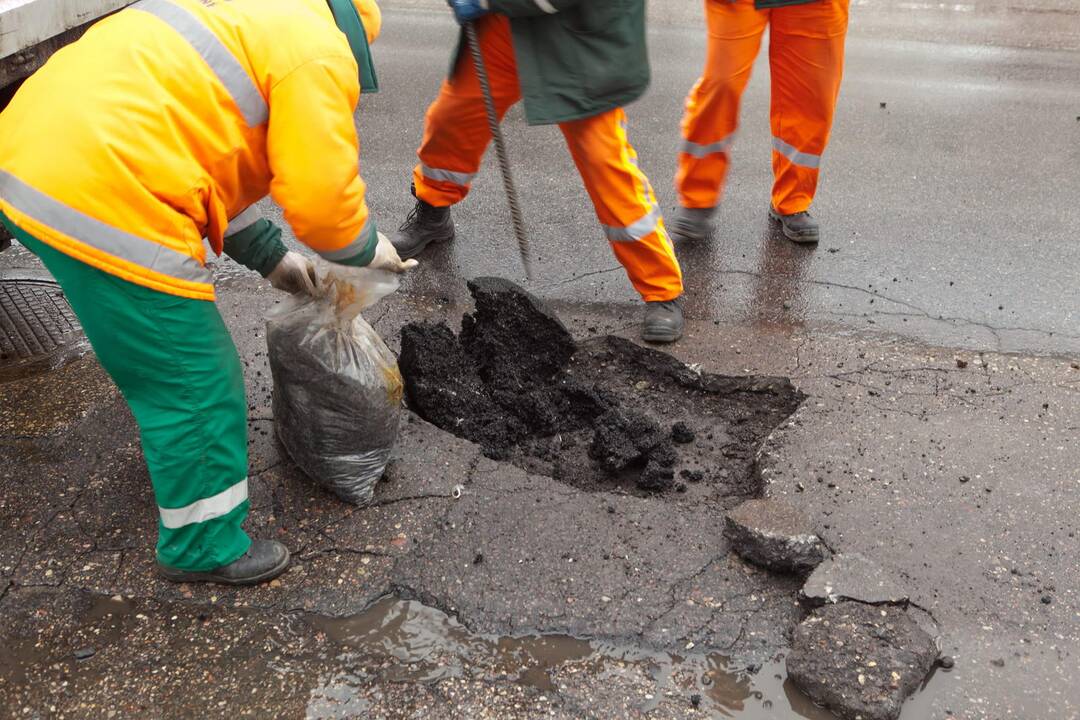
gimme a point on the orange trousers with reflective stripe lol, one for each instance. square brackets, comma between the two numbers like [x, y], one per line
[806, 62]
[456, 135]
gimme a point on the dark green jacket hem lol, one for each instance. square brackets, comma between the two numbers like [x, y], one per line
[586, 59]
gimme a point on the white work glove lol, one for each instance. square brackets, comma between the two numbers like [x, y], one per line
[294, 274]
[387, 258]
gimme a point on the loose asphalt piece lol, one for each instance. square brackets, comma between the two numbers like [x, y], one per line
[851, 576]
[861, 661]
[772, 533]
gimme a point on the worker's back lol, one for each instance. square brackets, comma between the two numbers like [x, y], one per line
[155, 123]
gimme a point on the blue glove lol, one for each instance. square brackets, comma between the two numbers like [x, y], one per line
[466, 10]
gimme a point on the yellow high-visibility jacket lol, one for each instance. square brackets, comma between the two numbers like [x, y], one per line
[170, 117]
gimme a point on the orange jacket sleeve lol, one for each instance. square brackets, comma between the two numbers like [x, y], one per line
[314, 159]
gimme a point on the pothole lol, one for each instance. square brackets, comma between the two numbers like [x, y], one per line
[600, 415]
[38, 329]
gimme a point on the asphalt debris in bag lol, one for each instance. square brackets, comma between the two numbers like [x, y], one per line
[337, 388]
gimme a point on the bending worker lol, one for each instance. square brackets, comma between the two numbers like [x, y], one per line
[806, 61]
[577, 62]
[163, 125]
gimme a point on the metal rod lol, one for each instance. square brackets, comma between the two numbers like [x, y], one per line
[500, 150]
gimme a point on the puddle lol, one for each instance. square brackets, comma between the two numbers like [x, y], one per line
[102, 616]
[427, 646]
[338, 667]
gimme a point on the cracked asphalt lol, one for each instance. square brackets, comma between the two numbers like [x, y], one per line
[934, 332]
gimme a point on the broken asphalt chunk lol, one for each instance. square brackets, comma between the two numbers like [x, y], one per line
[771, 533]
[860, 661]
[851, 576]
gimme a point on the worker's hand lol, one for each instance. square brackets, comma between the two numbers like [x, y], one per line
[467, 10]
[294, 274]
[387, 258]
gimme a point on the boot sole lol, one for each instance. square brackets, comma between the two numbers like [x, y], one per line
[689, 235]
[808, 238]
[188, 577]
[683, 236]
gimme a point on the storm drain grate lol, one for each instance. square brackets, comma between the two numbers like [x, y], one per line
[38, 330]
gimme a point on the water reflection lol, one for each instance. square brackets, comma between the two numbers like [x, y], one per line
[772, 293]
[429, 645]
[779, 289]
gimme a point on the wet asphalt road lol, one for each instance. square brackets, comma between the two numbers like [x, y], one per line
[965, 177]
[948, 214]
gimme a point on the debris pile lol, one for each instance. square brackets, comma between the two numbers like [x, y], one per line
[503, 378]
[515, 382]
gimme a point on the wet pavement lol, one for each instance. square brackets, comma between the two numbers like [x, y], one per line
[934, 332]
[937, 209]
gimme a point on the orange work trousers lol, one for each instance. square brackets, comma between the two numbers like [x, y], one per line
[456, 135]
[806, 62]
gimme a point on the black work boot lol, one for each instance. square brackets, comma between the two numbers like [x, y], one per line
[691, 224]
[424, 225]
[264, 560]
[663, 321]
[798, 227]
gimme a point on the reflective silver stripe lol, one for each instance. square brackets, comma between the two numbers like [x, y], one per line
[546, 6]
[228, 70]
[243, 221]
[458, 178]
[634, 231]
[93, 232]
[354, 248]
[799, 158]
[206, 509]
[699, 151]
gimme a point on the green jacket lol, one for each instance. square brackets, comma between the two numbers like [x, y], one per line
[583, 59]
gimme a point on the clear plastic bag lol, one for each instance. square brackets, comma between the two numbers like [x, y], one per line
[337, 388]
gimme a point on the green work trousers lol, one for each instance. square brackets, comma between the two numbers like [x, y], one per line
[177, 367]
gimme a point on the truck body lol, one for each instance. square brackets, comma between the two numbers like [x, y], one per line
[32, 30]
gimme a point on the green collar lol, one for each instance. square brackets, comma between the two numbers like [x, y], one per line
[349, 22]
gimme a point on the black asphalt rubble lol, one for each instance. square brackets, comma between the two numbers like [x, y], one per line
[592, 415]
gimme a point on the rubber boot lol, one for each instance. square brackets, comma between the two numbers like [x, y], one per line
[691, 224]
[798, 227]
[663, 321]
[424, 225]
[264, 560]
